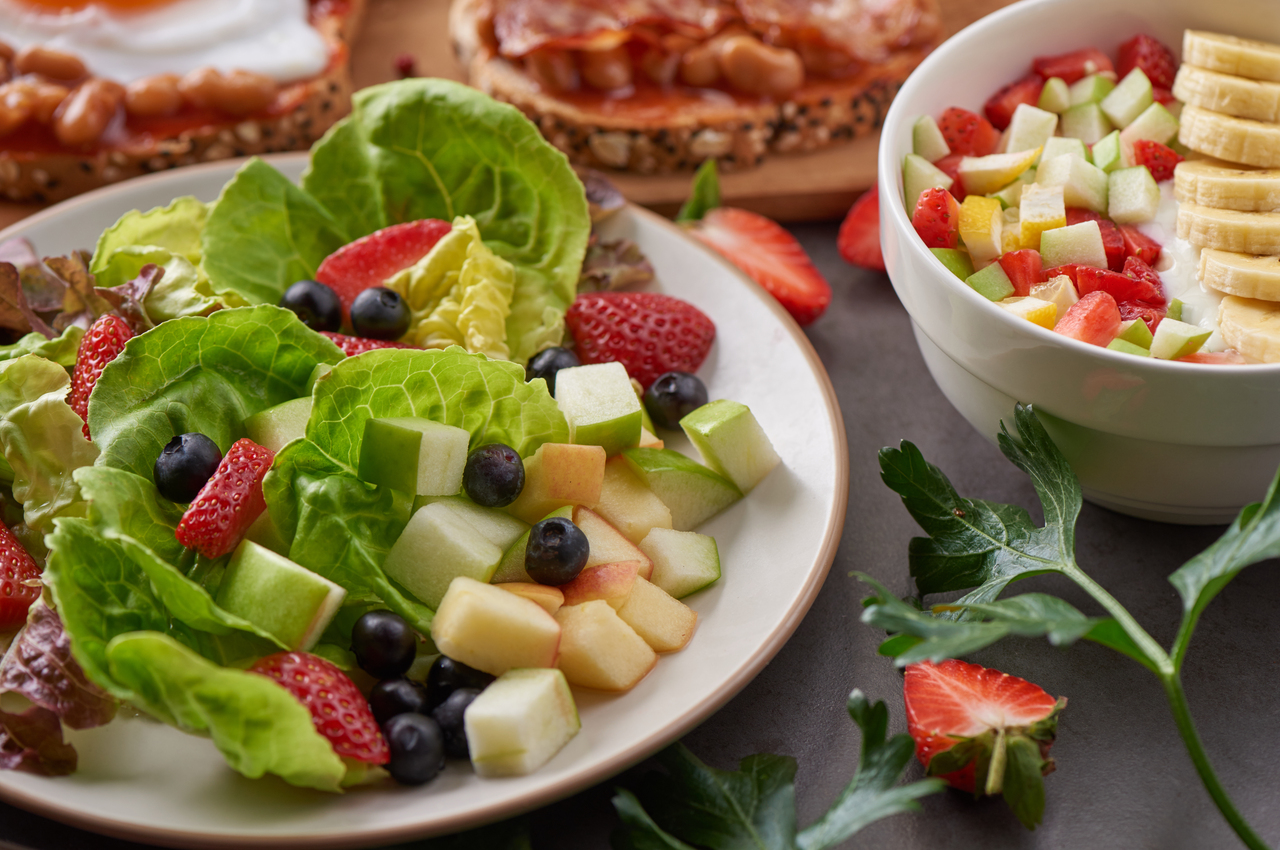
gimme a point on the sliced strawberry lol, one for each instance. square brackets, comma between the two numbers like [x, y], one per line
[1071, 270]
[961, 717]
[859, 236]
[101, 344]
[369, 261]
[999, 108]
[1230, 357]
[1112, 241]
[1155, 60]
[950, 166]
[1151, 314]
[1094, 319]
[353, 345]
[968, 133]
[1023, 269]
[19, 581]
[937, 219]
[1138, 270]
[647, 332]
[774, 259]
[1159, 159]
[1162, 96]
[1074, 65]
[1140, 245]
[1121, 287]
[338, 709]
[228, 503]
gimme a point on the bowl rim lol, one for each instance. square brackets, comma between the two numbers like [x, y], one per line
[893, 213]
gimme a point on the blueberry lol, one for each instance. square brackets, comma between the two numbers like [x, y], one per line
[380, 313]
[447, 675]
[557, 551]
[186, 464]
[315, 304]
[391, 697]
[384, 644]
[417, 748]
[547, 362]
[673, 396]
[493, 476]
[449, 714]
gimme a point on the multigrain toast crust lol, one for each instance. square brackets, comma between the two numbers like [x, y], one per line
[739, 136]
[313, 106]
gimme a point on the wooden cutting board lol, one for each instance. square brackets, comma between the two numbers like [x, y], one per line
[789, 188]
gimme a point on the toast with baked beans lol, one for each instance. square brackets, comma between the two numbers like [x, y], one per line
[65, 129]
[653, 86]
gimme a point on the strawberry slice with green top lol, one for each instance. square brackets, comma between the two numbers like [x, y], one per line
[228, 503]
[101, 344]
[771, 257]
[983, 731]
[19, 581]
[370, 260]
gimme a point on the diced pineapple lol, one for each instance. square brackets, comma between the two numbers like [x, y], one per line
[982, 175]
[1060, 291]
[981, 222]
[1043, 208]
[1034, 310]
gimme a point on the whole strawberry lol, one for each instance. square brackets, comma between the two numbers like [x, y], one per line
[647, 332]
[338, 709]
[104, 340]
[983, 731]
[228, 503]
[19, 581]
[353, 345]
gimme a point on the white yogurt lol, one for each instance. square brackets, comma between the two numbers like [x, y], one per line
[1179, 267]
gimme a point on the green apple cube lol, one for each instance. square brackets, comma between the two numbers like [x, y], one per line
[1129, 99]
[646, 422]
[1091, 89]
[1135, 331]
[1155, 124]
[1011, 195]
[1077, 243]
[1055, 97]
[276, 427]
[1106, 152]
[1175, 310]
[600, 405]
[956, 261]
[1132, 195]
[731, 442]
[417, 456]
[991, 282]
[318, 374]
[1064, 146]
[927, 140]
[435, 547]
[1174, 339]
[691, 491]
[918, 174]
[1030, 128]
[520, 721]
[286, 600]
[1126, 347]
[1083, 185]
[498, 527]
[684, 562]
[1085, 122]
[511, 567]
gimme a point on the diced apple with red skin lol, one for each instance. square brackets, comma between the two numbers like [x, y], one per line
[1094, 319]
[627, 504]
[665, 623]
[599, 650]
[610, 582]
[490, 629]
[556, 475]
[607, 544]
[550, 598]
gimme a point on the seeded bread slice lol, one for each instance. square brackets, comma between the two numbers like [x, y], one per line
[313, 106]
[739, 132]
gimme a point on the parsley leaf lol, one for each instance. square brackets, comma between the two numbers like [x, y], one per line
[704, 195]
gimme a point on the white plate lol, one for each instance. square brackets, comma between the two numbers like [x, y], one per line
[148, 782]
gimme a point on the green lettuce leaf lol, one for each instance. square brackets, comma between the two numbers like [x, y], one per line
[61, 349]
[175, 228]
[258, 726]
[42, 439]
[201, 374]
[181, 291]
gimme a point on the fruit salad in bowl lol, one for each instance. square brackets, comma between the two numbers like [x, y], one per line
[1041, 259]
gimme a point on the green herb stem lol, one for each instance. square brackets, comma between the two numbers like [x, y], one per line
[995, 771]
[1191, 738]
[1154, 652]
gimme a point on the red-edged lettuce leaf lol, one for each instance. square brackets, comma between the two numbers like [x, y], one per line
[40, 667]
[32, 742]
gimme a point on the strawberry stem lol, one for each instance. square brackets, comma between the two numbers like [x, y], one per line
[999, 758]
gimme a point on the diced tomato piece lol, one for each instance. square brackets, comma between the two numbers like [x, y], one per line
[999, 108]
[950, 166]
[937, 219]
[1071, 270]
[1152, 314]
[1155, 60]
[1230, 357]
[1140, 245]
[1074, 65]
[1162, 95]
[968, 133]
[1094, 319]
[1159, 159]
[1121, 287]
[1023, 268]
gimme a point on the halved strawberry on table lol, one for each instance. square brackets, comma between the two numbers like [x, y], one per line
[859, 237]
[370, 260]
[647, 332]
[228, 503]
[101, 344]
[19, 581]
[983, 731]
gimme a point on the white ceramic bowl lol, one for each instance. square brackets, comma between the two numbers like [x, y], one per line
[1168, 441]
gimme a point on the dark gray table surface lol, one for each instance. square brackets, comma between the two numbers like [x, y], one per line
[1123, 778]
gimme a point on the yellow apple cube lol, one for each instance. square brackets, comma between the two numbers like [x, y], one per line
[981, 224]
[983, 175]
[665, 623]
[1043, 208]
[556, 475]
[1034, 310]
[627, 504]
[599, 650]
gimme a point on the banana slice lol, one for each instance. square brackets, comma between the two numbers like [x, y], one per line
[1233, 139]
[1228, 94]
[1227, 186]
[1241, 274]
[1251, 327]
[1229, 230]
[1227, 54]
